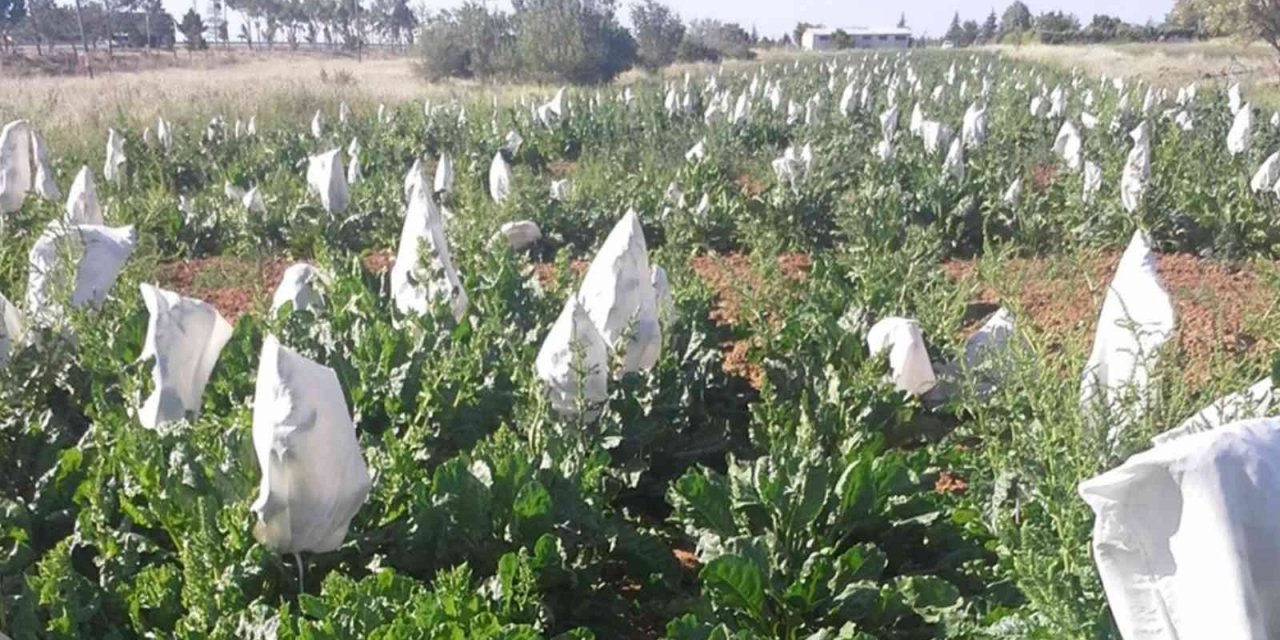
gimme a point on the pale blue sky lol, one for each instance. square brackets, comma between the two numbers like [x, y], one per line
[773, 17]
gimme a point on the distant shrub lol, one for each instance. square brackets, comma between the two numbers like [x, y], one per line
[466, 42]
[727, 40]
[571, 40]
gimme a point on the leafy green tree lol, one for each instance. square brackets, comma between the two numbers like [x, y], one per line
[12, 13]
[1212, 17]
[1264, 20]
[902, 21]
[797, 34]
[1016, 18]
[955, 32]
[1056, 27]
[969, 32]
[192, 28]
[990, 27]
[715, 40]
[658, 32]
[571, 40]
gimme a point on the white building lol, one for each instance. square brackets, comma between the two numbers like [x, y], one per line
[822, 38]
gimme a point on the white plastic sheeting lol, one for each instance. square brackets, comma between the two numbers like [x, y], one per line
[1136, 320]
[184, 337]
[444, 174]
[1137, 168]
[1013, 195]
[909, 365]
[164, 133]
[13, 329]
[325, 179]
[16, 174]
[1254, 402]
[1264, 179]
[662, 291]
[317, 125]
[1186, 536]
[1092, 181]
[521, 234]
[573, 363]
[416, 178]
[354, 172]
[113, 168]
[43, 182]
[953, 164]
[560, 190]
[617, 293]
[298, 288]
[75, 264]
[500, 178]
[1241, 134]
[82, 200]
[314, 478]
[1069, 146]
[974, 127]
[417, 286]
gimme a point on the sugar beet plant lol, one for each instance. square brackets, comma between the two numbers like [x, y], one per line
[759, 479]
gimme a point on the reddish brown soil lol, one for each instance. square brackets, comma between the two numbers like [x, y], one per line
[234, 286]
[950, 482]
[1212, 301]
[562, 168]
[750, 185]
[1042, 176]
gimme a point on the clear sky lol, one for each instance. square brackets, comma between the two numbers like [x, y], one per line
[773, 17]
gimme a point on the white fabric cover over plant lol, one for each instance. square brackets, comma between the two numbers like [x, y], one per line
[618, 294]
[1264, 179]
[991, 340]
[444, 174]
[16, 175]
[953, 164]
[662, 290]
[522, 234]
[76, 265]
[1136, 320]
[43, 182]
[1069, 146]
[909, 365]
[13, 329]
[326, 180]
[573, 363]
[298, 288]
[500, 178]
[560, 190]
[1137, 168]
[113, 168]
[1241, 133]
[416, 178]
[354, 172]
[1254, 402]
[317, 125]
[1186, 535]
[974, 128]
[415, 286]
[184, 336]
[314, 478]
[82, 200]
[253, 202]
[1013, 194]
[1092, 181]
[164, 133]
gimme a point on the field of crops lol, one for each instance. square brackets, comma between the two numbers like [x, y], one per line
[689, 359]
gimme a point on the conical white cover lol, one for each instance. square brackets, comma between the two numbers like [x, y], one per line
[13, 329]
[990, 340]
[16, 177]
[662, 291]
[164, 133]
[313, 474]
[1013, 194]
[82, 200]
[417, 287]
[416, 178]
[573, 363]
[974, 127]
[1068, 145]
[909, 365]
[298, 287]
[113, 168]
[1136, 319]
[618, 295]
[560, 190]
[1241, 133]
[184, 336]
[1254, 402]
[317, 125]
[499, 178]
[325, 180]
[444, 174]
[1092, 181]
[1187, 539]
[953, 165]
[1137, 168]
[1266, 176]
[80, 260]
[354, 172]
[43, 183]
[521, 234]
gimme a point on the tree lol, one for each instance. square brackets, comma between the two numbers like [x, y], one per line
[989, 28]
[1212, 17]
[968, 33]
[658, 32]
[955, 32]
[1057, 27]
[797, 34]
[1015, 19]
[12, 12]
[192, 28]
[571, 40]
[1264, 20]
[902, 21]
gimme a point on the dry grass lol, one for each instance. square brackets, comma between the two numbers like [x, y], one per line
[1253, 65]
[277, 85]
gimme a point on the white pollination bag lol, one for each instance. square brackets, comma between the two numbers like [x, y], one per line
[1241, 133]
[113, 168]
[1092, 181]
[499, 178]
[253, 202]
[417, 286]
[1186, 536]
[909, 365]
[662, 291]
[1254, 402]
[1136, 320]
[164, 133]
[184, 336]
[298, 288]
[1013, 194]
[974, 129]
[354, 172]
[444, 174]
[13, 329]
[1068, 145]
[984, 348]
[313, 474]
[560, 190]
[618, 294]
[326, 181]
[317, 125]
[1264, 179]
[43, 183]
[16, 177]
[953, 164]
[76, 265]
[82, 200]
[521, 234]
[416, 178]
[1137, 168]
[573, 363]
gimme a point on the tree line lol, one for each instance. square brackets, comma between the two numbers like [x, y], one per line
[1017, 25]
